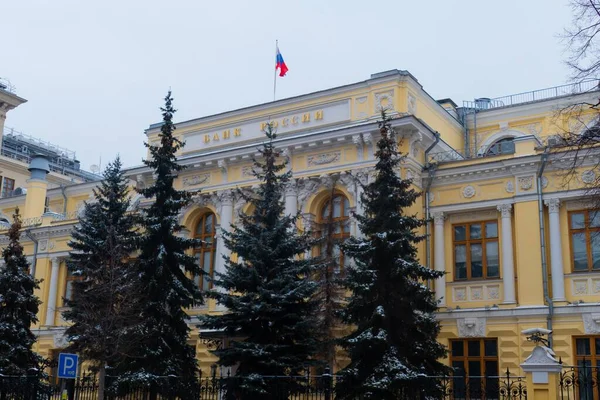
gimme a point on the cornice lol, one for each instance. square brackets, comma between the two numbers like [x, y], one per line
[299, 142]
[517, 312]
[482, 169]
[261, 110]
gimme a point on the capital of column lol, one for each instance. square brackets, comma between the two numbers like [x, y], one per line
[357, 140]
[368, 138]
[226, 197]
[438, 218]
[505, 210]
[55, 262]
[553, 205]
[291, 188]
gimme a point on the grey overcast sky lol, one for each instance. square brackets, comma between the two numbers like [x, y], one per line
[95, 72]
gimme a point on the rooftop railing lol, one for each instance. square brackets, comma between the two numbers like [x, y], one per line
[484, 103]
[31, 140]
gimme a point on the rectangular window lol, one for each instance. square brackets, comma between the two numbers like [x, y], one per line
[587, 363]
[8, 185]
[476, 254]
[69, 284]
[584, 233]
[475, 363]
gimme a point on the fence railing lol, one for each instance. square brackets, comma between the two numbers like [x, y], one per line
[534, 95]
[581, 382]
[306, 387]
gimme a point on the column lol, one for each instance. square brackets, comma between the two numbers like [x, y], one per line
[439, 257]
[556, 257]
[362, 177]
[508, 267]
[226, 214]
[50, 311]
[291, 198]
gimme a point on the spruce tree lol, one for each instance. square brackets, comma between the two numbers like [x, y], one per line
[18, 308]
[394, 344]
[268, 292]
[105, 304]
[166, 274]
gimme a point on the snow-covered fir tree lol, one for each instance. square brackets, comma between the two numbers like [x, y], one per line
[104, 306]
[18, 308]
[394, 344]
[268, 292]
[165, 273]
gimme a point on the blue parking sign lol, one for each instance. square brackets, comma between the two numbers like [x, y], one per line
[67, 365]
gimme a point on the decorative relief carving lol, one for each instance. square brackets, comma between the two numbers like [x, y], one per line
[588, 177]
[596, 287]
[505, 210]
[222, 164]
[544, 182]
[525, 182]
[580, 287]
[553, 205]
[139, 182]
[493, 292]
[306, 188]
[586, 286]
[225, 198]
[438, 218]
[412, 104]
[510, 187]
[591, 323]
[196, 180]
[477, 293]
[460, 294]
[60, 341]
[361, 107]
[291, 188]
[468, 191]
[471, 327]
[384, 101]
[323, 159]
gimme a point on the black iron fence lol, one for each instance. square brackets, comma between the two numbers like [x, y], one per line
[308, 387]
[581, 382]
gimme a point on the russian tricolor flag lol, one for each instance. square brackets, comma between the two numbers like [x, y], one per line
[280, 64]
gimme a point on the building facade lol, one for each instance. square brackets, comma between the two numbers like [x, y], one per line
[514, 233]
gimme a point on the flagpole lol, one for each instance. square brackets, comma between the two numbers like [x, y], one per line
[275, 73]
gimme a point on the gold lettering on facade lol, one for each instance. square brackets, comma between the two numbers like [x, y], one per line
[216, 137]
[237, 132]
[226, 134]
[294, 120]
[285, 122]
[274, 124]
[306, 117]
[318, 115]
[206, 138]
[263, 126]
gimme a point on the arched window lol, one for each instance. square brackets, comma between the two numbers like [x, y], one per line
[334, 223]
[502, 146]
[205, 254]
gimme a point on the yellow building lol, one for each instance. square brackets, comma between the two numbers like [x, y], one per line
[514, 236]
